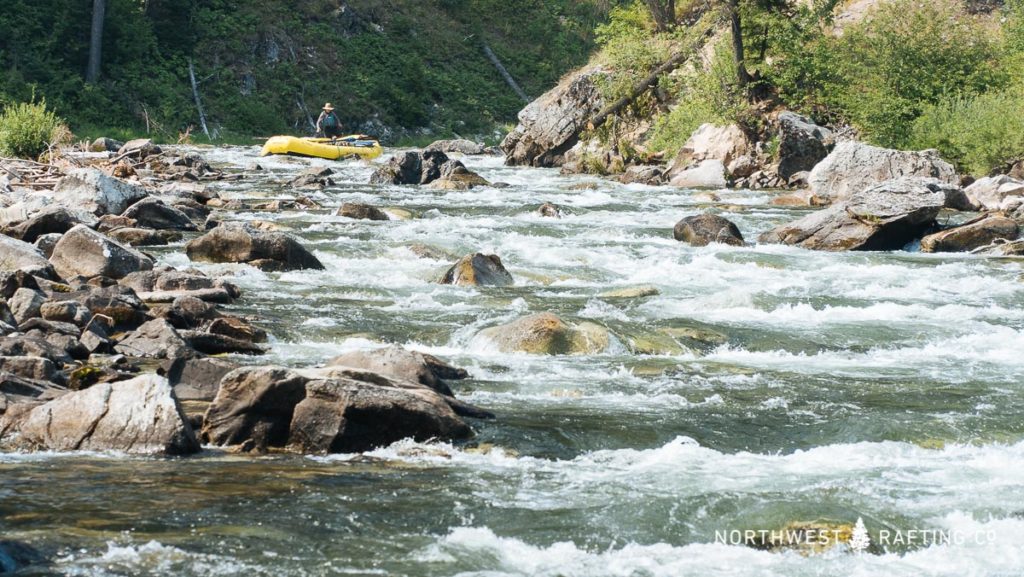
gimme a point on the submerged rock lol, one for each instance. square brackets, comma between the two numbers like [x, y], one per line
[546, 334]
[975, 234]
[883, 217]
[704, 229]
[362, 212]
[140, 415]
[243, 243]
[854, 166]
[478, 269]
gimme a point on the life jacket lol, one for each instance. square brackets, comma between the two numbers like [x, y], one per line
[330, 121]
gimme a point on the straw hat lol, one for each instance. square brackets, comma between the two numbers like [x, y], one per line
[328, 107]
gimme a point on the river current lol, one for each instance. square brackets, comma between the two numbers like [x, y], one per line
[761, 386]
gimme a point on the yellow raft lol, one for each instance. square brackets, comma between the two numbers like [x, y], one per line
[358, 145]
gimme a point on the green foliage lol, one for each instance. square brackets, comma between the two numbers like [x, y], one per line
[28, 129]
[978, 133]
[630, 49]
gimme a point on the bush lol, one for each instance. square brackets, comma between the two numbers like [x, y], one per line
[977, 133]
[28, 129]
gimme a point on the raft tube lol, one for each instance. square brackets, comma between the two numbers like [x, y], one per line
[358, 145]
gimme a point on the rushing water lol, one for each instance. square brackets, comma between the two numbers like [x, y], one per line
[770, 385]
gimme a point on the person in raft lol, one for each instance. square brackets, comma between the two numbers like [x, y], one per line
[328, 123]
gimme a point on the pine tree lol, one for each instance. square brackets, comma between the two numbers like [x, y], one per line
[860, 540]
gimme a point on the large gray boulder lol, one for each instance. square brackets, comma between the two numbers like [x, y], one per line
[140, 415]
[802, 144]
[91, 190]
[1000, 192]
[461, 146]
[156, 339]
[854, 166]
[400, 363]
[705, 174]
[546, 334]
[50, 220]
[478, 269]
[550, 125]
[243, 243]
[153, 213]
[17, 255]
[883, 217]
[710, 142]
[87, 253]
[704, 229]
[973, 235]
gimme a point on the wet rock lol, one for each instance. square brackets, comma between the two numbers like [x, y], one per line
[153, 213]
[883, 217]
[344, 416]
[550, 125]
[400, 363]
[104, 144]
[139, 148]
[802, 144]
[997, 193]
[550, 210]
[709, 142]
[455, 176]
[1002, 248]
[462, 146]
[155, 339]
[46, 242]
[704, 229]
[854, 166]
[218, 344]
[362, 212]
[411, 168]
[314, 178]
[90, 190]
[139, 416]
[805, 537]
[15, 556]
[705, 174]
[975, 234]
[52, 219]
[631, 293]
[545, 333]
[197, 379]
[144, 236]
[478, 269]
[87, 253]
[254, 404]
[649, 175]
[26, 304]
[17, 255]
[236, 242]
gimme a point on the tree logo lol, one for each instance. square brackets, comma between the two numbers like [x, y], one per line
[860, 540]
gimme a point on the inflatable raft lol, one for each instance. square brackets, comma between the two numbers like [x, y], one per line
[356, 145]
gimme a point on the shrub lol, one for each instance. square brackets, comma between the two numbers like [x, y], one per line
[978, 133]
[27, 129]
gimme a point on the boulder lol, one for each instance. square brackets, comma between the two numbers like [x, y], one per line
[153, 213]
[219, 344]
[45, 243]
[641, 174]
[18, 255]
[28, 346]
[104, 144]
[52, 219]
[1002, 248]
[400, 363]
[243, 243]
[996, 193]
[545, 333]
[143, 236]
[704, 229]
[411, 168]
[710, 142]
[361, 211]
[35, 368]
[883, 217]
[550, 125]
[15, 556]
[196, 379]
[802, 144]
[315, 177]
[478, 269]
[90, 190]
[461, 145]
[549, 210]
[119, 303]
[975, 234]
[854, 166]
[87, 253]
[346, 416]
[155, 339]
[65, 311]
[140, 415]
[254, 404]
[705, 174]
[138, 148]
[455, 176]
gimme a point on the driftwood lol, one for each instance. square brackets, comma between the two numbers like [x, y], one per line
[504, 74]
[195, 95]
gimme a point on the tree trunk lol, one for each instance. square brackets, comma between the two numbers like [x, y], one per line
[99, 9]
[195, 95]
[742, 76]
[504, 74]
[663, 12]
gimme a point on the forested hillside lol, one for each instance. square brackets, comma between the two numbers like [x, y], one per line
[395, 67]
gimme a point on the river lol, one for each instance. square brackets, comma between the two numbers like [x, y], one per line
[763, 385]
